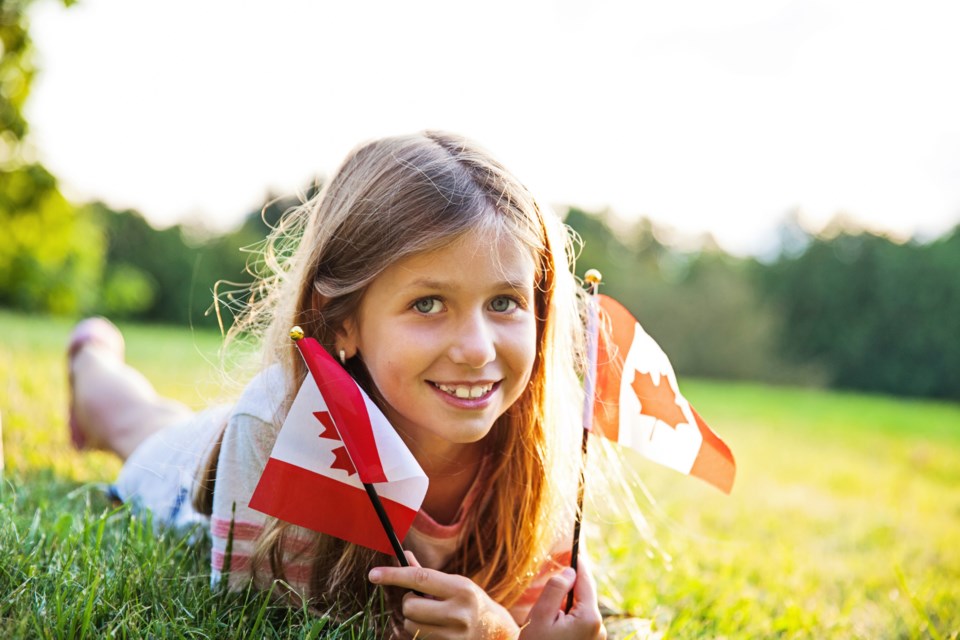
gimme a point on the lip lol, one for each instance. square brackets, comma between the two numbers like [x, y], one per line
[466, 403]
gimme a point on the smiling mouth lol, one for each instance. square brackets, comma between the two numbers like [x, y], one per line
[465, 391]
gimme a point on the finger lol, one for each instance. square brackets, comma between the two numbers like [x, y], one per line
[412, 559]
[585, 587]
[586, 610]
[428, 581]
[413, 562]
[427, 610]
[547, 607]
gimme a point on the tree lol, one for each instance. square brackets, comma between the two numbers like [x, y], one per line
[50, 254]
[879, 315]
[173, 274]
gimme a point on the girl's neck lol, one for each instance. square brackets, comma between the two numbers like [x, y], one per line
[440, 458]
[452, 473]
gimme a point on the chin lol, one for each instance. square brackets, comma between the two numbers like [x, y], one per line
[471, 436]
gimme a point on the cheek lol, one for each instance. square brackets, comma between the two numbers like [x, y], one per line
[396, 372]
[523, 355]
[523, 350]
[386, 375]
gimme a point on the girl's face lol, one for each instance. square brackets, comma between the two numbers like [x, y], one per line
[449, 338]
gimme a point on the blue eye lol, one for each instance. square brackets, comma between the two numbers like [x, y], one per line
[503, 304]
[428, 306]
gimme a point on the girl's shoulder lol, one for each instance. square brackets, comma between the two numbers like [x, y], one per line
[264, 397]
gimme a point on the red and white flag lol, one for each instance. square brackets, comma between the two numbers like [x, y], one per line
[333, 441]
[639, 405]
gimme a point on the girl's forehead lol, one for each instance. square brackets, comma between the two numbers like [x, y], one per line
[478, 255]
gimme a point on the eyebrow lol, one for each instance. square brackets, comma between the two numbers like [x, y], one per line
[430, 283]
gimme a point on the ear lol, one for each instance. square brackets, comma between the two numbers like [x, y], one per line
[348, 338]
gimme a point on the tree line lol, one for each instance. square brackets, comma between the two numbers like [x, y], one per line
[848, 309]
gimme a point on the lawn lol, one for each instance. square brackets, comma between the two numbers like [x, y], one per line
[844, 521]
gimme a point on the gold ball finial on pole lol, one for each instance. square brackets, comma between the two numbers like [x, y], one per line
[296, 334]
[592, 276]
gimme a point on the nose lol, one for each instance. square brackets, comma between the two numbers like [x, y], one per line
[474, 341]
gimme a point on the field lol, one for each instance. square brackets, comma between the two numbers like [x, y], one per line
[844, 521]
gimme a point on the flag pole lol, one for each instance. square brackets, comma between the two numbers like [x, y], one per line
[592, 278]
[296, 334]
[388, 528]
[386, 524]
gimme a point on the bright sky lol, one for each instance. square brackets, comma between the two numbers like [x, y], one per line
[703, 115]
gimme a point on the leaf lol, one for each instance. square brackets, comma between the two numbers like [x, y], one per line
[658, 401]
[329, 430]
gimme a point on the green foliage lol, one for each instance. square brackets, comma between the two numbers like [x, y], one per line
[171, 275]
[17, 70]
[877, 314]
[50, 255]
[16, 73]
[160, 275]
[158, 260]
[126, 290]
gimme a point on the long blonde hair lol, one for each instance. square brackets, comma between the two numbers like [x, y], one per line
[392, 198]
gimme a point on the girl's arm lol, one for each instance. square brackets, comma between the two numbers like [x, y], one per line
[455, 607]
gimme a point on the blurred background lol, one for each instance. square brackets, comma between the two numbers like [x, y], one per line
[772, 187]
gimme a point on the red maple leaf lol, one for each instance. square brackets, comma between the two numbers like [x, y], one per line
[329, 430]
[341, 460]
[657, 401]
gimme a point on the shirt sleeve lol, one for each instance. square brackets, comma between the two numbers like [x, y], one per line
[234, 526]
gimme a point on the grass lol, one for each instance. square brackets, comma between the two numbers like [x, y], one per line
[844, 521]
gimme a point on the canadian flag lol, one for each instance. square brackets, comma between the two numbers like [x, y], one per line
[639, 405]
[334, 440]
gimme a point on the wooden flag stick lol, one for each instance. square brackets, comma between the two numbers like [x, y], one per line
[592, 277]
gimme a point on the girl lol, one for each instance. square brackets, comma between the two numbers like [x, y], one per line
[446, 292]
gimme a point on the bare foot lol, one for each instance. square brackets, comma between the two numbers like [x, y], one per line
[112, 405]
[92, 333]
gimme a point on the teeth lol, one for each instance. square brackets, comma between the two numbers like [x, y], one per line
[465, 391]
